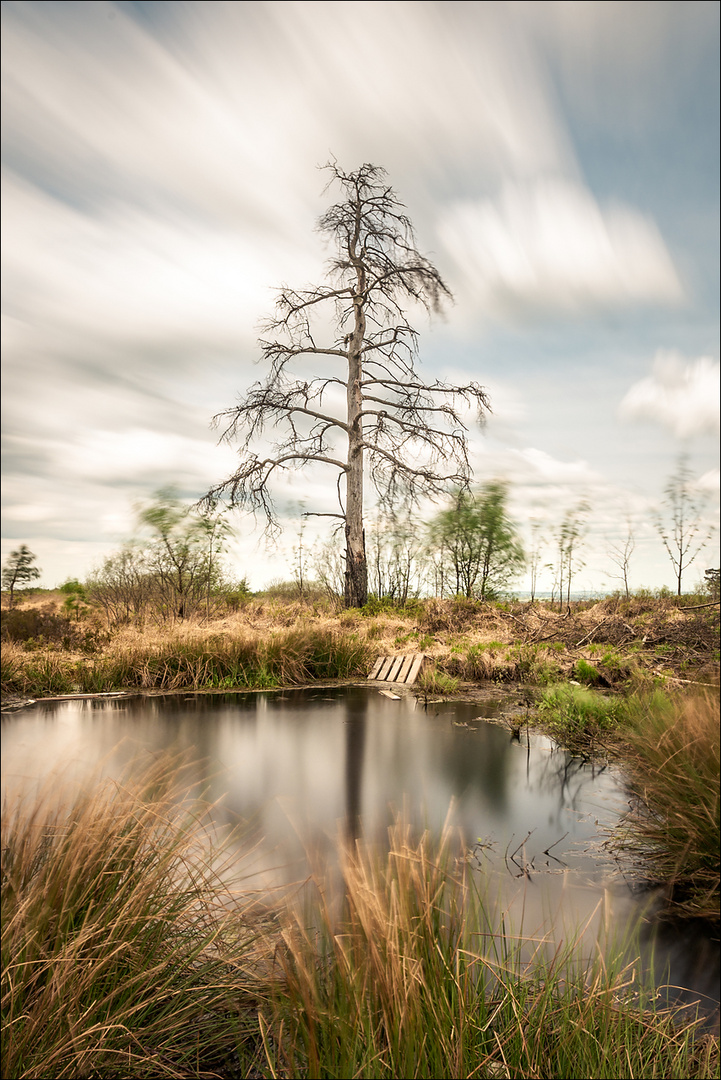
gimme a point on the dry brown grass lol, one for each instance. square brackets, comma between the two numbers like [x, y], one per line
[629, 643]
[123, 955]
[673, 758]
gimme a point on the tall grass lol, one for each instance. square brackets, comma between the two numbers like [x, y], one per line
[671, 755]
[668, 750]
[243, 661]
[411, 975]
[125, 954]
[117, 955]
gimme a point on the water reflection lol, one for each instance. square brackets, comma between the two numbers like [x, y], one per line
[355, 726]
[309, 766]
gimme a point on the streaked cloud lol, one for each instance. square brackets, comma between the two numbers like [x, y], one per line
[682, 395]
[709, 482]
[161, 181]
[549, 246]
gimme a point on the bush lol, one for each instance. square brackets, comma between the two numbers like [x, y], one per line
[576, 716]
[33, 624]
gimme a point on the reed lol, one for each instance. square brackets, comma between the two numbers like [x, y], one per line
[413, 973]
[126, 953]
[243, 660]
[118, 955]
[671, 756]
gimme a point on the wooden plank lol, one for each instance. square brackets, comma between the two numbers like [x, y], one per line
[390, 670]
[394, 669]
[415, 668]
[376, 667]
[384, 668]
[405, 668]
[401, 669]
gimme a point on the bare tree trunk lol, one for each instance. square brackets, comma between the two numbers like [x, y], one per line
[356, 567]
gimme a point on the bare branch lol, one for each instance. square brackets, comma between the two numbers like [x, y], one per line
[416, 438]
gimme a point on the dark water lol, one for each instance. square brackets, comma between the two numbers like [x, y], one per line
[306, 766]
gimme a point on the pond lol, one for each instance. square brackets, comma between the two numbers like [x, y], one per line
[305, 766]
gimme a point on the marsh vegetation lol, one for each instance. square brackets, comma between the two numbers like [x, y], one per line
[129, 950]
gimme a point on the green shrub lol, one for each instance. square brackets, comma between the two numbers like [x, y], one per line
[576, 715]
[586, 673]
[375, 605]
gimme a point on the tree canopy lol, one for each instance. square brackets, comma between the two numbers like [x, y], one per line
[19, 570]
[475, 543]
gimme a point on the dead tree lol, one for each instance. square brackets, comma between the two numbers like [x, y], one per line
[620, 554]
[406, 435]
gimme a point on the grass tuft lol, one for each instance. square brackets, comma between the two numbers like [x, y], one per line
[577, 716]
[433, 681]
[412, 973]
[126, 954]
[671, 756]
[116, 947]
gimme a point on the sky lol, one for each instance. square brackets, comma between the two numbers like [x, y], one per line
[162, 179]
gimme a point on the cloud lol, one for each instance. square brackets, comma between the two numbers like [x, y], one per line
[161, 182]
[547, 244]
[709, 482]
[682, 395]
[620, 64]
[126, 276]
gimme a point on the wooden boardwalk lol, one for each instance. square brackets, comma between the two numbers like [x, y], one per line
[398, 669]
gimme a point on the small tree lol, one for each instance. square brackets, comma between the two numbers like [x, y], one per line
[300, 553]
[620, 553]
[534, 557]
[182, 554]
[712, 582]
[170, 572]
[684, 535]
[121, 587]
[329, 569]
[569, 539]
[19, 570]
[408, 433]
[74, 596]
[395, 556]
[216, 532]
[477, 542]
